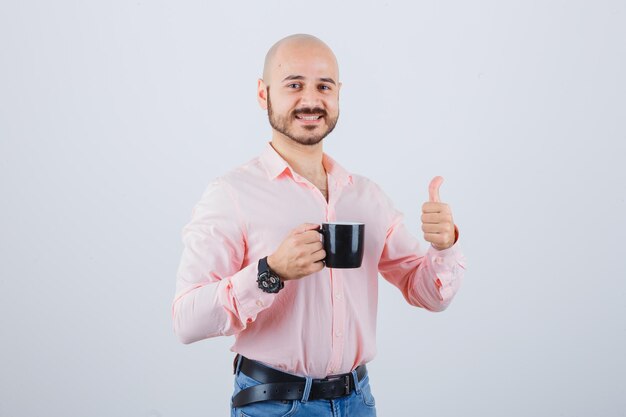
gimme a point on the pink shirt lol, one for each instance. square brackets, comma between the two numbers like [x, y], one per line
[322, 324]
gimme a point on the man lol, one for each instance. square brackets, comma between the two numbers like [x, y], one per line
[302, 345]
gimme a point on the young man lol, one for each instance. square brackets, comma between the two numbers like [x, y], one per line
[253, 262]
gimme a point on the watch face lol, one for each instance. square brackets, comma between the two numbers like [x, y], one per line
[268, 282]
[273, 283]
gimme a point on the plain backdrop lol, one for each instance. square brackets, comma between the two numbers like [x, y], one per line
[115, 115]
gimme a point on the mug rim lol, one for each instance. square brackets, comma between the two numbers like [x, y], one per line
[345, 223]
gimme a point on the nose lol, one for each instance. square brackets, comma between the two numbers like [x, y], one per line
[311, 97]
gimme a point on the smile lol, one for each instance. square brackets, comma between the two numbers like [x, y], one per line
[308, 118]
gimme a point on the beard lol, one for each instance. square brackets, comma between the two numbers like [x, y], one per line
[285, 124]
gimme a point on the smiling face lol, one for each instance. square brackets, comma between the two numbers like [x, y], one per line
[303, 77]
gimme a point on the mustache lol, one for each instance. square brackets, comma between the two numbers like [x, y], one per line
[309, 110]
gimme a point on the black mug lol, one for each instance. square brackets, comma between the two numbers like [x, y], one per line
[343, 244]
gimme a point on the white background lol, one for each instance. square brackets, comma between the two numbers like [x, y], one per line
[114, 116]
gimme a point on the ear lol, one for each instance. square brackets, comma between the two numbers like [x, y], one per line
[339, 89]
[261, 94]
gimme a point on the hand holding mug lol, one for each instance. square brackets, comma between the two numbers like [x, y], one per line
[309, 247]
[300, 254]
[437, 222]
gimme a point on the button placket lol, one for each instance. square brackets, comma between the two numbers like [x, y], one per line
[337, 292]
[338, 318]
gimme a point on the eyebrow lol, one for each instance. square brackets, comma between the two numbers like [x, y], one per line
[300, 77]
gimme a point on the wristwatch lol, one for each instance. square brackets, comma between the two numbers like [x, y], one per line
[267, 279]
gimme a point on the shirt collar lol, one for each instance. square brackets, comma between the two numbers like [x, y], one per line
[336, 171]
[275, 165]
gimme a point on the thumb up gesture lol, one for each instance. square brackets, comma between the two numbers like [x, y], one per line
[437, 223]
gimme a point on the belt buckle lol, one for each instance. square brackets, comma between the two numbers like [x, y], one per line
[346, 382]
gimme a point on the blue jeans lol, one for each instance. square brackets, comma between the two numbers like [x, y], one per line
[358, 404]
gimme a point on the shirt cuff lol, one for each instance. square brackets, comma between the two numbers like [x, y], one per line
[251, 300]
[448, 266]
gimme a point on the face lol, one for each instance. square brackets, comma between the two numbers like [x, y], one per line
[304, 101]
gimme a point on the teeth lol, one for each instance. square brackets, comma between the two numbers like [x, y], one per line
[309, 117]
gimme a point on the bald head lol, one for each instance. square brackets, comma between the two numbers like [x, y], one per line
[297, 47]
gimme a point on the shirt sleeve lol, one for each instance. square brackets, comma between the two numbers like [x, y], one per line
[427, 278]
[216, 295]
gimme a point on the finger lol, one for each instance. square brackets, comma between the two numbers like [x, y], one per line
[430, 207]
[318, 266]
[431, 218]
[433, 228]
[436, 218]
[318, 255]
[314, 246]
[443, 227]
[314, 262]
[436, 238]
[433, 189]
[310, 236]
[303, 228]
[440, 228]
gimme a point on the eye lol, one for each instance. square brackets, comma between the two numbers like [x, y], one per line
[293, 84]
[324, 87]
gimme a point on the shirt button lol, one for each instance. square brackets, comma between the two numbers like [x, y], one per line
[331, 371]
[438, 260]
[338, 296]
[338, 333]
[259, 303]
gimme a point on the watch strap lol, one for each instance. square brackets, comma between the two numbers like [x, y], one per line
[263, 266]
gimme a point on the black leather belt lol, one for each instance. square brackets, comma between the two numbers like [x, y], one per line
[277, 385]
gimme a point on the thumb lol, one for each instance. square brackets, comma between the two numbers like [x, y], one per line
[433, 189]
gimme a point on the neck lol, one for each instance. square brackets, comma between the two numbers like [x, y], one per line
[306, 160]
